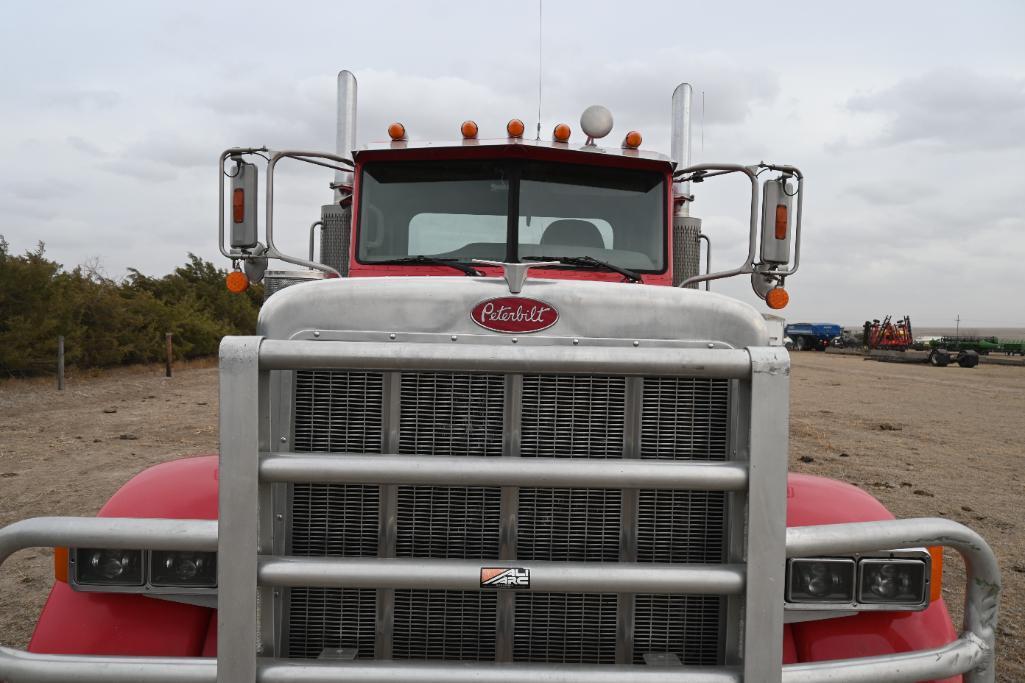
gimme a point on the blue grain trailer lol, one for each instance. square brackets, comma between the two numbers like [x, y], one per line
[807, 336]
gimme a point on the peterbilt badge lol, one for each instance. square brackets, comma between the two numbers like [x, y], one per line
[514, 314]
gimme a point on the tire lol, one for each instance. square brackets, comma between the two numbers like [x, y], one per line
[939, 358]
[968, 359]
[800, 344]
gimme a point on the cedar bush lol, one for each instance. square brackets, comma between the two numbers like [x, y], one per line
[106, 322]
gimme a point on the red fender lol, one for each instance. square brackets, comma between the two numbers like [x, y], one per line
[817, 500]
[120, 624]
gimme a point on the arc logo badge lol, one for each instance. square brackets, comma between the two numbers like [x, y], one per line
[504, 577]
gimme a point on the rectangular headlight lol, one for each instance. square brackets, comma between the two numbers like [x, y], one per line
[183, 568]
[883, 581]
[821, 580]
[108, 567]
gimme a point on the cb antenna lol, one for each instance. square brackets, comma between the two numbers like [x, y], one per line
[540, 7]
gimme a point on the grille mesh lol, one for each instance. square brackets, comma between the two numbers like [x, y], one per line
[577, 628]
[573, 416]
[681, 526]
[338, 412]
[334, 520]
[451, 414]
[685, 625]
[448, 522]
[452, 625]
[685, 419]
[456, 414]
[569, 524]
[320, 618]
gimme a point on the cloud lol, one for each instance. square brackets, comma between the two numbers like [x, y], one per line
[893, 192]
[84, 146]
[80, 98]
[141, 170]
[949, 109]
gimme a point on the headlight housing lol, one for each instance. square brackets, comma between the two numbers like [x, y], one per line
[108, 567]
[183, 568]
[883, 581]
[897, 581]
[151, 572]
[821, 580]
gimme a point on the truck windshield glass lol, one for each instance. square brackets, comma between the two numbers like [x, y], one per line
[460, 210]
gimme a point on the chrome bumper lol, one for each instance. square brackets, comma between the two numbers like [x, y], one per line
[971, 654]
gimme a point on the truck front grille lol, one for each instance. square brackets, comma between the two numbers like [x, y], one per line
[560, 416]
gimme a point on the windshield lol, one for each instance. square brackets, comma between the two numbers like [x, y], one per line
[460, 210]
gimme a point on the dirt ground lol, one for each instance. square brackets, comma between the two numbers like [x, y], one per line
[926, 441]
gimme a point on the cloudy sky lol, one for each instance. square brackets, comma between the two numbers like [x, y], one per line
[908, 119]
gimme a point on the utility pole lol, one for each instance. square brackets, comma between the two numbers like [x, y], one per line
[957, 329]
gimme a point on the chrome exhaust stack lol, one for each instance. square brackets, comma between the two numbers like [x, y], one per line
[336, 218]
[686, 229]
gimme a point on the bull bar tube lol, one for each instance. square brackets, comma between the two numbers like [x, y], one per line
[971, 654]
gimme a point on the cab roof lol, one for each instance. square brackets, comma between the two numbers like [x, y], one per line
[497, 143]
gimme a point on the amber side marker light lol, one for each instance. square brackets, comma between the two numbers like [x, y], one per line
[60, 564]
[236, 282]
[238, 205]
[632, 140]
[936, 576]
[515, 128]
[469, 130]
[781, 221]
[777, 298]
[397, 131]
[561, 133]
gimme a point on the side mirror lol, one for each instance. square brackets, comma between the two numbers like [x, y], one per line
[777, 204]
[244, 228]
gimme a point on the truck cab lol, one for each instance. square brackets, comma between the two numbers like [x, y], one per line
[496, 432]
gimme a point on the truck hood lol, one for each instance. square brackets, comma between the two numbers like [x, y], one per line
[443, 305]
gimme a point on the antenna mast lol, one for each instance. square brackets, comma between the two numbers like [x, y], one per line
[540, 7]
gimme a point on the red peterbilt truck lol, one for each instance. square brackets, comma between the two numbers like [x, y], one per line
[496, 432]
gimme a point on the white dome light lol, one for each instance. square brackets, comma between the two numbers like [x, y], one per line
[596, 122]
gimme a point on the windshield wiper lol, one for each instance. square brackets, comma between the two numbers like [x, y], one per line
[433, 261]
[587, 262]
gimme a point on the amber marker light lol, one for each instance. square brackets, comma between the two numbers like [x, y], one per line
[632, 140]
[469, 130]
[236, 282]
[936, 577]
[777, 298]
[561, 133]
[781, 221]
[515, 128]
[238, 205]
[60, 564]
[397, 131]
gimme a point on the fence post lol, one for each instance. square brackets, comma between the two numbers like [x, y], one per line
[170, 354]
[60, 363]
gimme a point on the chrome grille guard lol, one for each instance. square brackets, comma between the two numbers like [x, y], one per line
[246, 570]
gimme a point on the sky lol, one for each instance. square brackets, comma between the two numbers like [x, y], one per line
[907, 118]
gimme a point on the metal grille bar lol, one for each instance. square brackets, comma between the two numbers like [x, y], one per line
[478, 471]
[421, 573]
